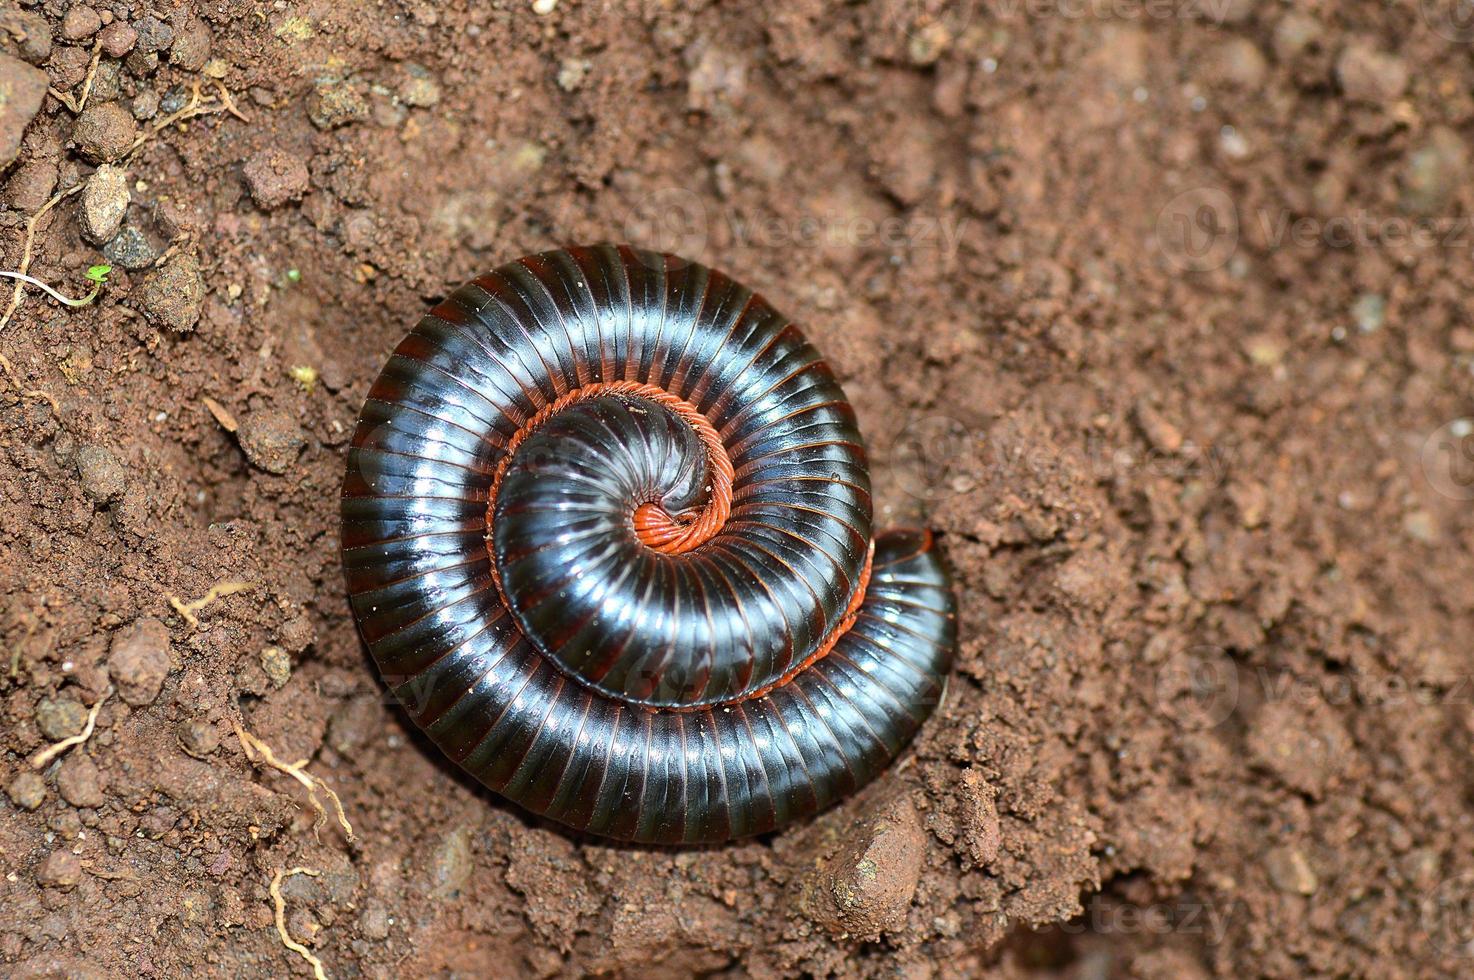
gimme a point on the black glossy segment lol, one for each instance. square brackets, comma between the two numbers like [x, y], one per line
[617, 694]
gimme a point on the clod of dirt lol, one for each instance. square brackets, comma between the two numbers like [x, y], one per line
[139, 661]
[21, 90]
[373, 922]
[1433, 172]
[104, 203]
[27, 790]
[104, 132]
[866, 887]
[1368, 75]
[1305, 748]
[271, 438]
[198, 737]
[62, 869]
[1290, 872]
[275, 176]
[173, 295]
[102, 477]
[27, 34]
[79, 781]
[334, 103]
[191, 47]
[80, 22]
[118, 38]
[298, 633]
[60, 718]
[980, 824]
[31, 185]
[130, 249]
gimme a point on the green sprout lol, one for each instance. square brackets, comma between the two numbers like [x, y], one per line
[97, 275]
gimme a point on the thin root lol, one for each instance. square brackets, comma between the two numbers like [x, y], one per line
[40, 759]
[25, 255]
[191, 109]
[91, 75]
[217, 591]
[254, 747]
[36, 393]
[281, 919]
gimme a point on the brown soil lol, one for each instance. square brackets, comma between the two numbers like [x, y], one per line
[1156, 312]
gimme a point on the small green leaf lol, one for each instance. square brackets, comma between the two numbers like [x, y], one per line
[294, 275]
[98, 273]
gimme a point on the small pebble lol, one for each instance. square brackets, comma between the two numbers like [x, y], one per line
[79, 781]
[153, 34]
[191, 47]
[419, 87]
[1290, 872]
[80, 22]
[334, 103]
[118, 39]
[277, 664]
[131, 249]
[104, 202]
[1369, 311]
[104, 132]
[146, 104]
[102, 477]
[271, 438]
[173, 295]
[373, 922]
[1368, 75]
[62, 869]
[142, 63]
[1433, 171]
[198, 737]
[572, 72]
[139, 661]
[175, 97]
[27, 790]
[60, 718]
[1295, 33]
[1237, 63]
[275, 176]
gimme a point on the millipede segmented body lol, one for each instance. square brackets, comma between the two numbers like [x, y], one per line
[607, 534]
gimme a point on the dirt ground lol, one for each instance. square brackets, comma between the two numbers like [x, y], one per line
[1156, 311]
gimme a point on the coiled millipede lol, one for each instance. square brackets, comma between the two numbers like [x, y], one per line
[607, 534]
